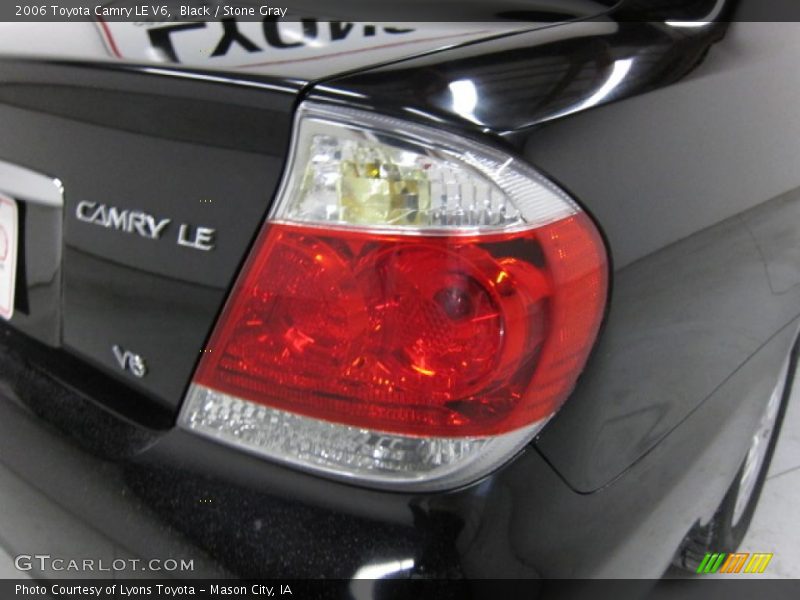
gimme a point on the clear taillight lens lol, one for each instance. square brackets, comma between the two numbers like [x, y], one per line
[415, 309]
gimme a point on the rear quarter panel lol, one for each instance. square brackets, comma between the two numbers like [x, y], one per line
[681, 142]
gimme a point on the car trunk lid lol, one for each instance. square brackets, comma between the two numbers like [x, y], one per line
[166, 177]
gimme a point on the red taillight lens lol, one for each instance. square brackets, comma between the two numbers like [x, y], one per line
[423, 335]
[416, 308]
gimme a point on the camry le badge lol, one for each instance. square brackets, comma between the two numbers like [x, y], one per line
[144, 225]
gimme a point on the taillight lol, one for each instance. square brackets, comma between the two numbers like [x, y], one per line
[416, 307]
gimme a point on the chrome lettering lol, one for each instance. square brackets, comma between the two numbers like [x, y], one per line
[116, 218]
[80, 211]
[156, 227]
[203, 238]
[143, 224]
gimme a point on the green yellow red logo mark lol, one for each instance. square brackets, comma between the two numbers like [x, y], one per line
[737, 562]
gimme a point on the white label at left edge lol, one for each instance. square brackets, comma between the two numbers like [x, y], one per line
[8, 254]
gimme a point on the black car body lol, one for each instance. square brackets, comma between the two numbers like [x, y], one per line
[672, 129]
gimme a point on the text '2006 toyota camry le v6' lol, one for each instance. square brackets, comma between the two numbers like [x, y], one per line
[310, 296]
